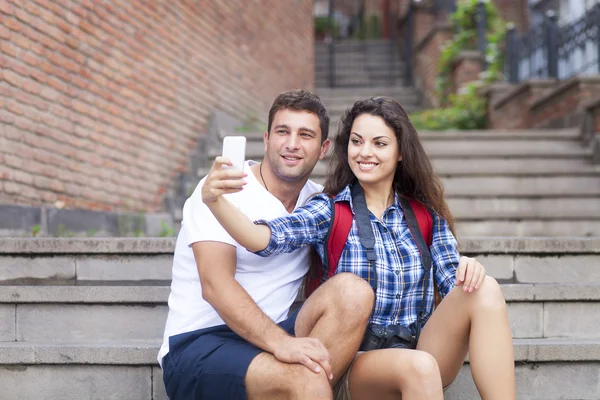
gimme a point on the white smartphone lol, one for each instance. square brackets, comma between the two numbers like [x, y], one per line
[234, 148]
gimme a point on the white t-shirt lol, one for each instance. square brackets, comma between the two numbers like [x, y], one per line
[272, 282]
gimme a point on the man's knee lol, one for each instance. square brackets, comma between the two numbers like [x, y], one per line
[305, 384]
[268, 378]
[352, 294]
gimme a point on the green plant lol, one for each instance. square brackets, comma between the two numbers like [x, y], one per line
[35, 230]
[252, 123]
[92, 232]
[166, 230]
[62, 231]
[321, 26]
[464, 21]
[465, 111]
[369, 28]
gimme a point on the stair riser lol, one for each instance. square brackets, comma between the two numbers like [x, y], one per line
[548, 381]
[528, 228]
[76, 323]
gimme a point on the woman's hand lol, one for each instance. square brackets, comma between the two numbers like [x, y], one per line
[469, 274]
[221, 181]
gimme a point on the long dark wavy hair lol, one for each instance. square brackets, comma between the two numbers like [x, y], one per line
[414, 176]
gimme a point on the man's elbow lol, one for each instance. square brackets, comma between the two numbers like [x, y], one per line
[210, 289]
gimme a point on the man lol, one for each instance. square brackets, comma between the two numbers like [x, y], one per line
[228, 334]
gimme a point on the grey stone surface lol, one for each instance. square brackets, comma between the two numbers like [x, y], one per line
[530, 245]
[55, 323]
[20, 268]
[124, 268]
[540, 381]
[87, 245]
[506, 147]
[7, 323]
[521, 186]
[526, 319]
[468, 245]
[582, 269]
[19, 217]
[84, 294]
[158, 386]
[573, 319]
[68, 353]
[498, 266]
[59, 382]
[521, 228]
[548, 208]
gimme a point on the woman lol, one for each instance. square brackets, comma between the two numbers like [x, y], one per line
[378, 149]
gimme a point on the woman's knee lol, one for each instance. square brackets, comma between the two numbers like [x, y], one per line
[490, 296]
[418, 373]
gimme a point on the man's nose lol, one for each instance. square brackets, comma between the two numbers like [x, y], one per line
[293, 142]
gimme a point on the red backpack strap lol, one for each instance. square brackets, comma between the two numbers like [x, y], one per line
[338, 235]
[424, 220]
[341, 222]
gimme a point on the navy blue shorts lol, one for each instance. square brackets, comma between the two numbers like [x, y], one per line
[211, 363]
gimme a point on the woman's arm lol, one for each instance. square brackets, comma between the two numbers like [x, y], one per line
[444, 254]
[224, 181]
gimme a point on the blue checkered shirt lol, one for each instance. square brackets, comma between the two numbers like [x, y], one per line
[399, 269]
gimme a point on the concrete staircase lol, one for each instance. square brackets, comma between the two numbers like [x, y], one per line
[83, 318]
[507, 183]
[359, 63]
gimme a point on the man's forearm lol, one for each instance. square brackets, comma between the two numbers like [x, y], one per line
[244, 317]
[239, 226]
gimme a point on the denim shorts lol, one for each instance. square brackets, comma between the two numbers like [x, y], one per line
[211, 363]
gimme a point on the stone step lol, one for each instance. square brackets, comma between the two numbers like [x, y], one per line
[515, 186]
[101, 314]
[550, 208]
[513, 150]
[528, 228]
[497, 166]
[546, 368]
[122, 261]
[383, 90]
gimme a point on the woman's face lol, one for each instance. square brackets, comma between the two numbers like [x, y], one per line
[373, 152]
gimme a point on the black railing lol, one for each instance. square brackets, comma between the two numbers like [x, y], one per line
[550, 51]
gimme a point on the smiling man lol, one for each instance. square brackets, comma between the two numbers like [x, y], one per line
[229, 333]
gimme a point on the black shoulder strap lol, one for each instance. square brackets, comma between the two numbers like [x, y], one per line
[426, 259]
[365, 230]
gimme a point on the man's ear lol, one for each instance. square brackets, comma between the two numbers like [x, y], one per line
[324, 148]
[266, 140]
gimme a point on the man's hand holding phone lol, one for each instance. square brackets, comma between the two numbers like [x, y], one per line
[227, 172]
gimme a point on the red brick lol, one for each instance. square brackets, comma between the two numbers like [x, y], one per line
[4, 32]
[6, 7]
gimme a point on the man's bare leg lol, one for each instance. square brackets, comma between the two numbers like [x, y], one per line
[337, 314]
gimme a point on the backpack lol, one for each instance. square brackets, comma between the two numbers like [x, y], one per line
[418, 218]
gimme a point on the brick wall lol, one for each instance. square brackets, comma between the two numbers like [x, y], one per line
[101, 102]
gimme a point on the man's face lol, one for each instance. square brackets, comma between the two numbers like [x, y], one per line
[294, 146]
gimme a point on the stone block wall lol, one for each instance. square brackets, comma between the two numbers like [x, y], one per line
[102, 101]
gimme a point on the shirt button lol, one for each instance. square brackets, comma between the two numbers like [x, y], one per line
[393, 251]
[397, 272]
[398, 296]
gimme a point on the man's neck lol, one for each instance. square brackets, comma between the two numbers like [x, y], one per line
[286, 192]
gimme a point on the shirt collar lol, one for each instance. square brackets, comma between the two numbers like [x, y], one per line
[346, 195]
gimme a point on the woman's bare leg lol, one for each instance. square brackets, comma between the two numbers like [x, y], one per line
[393, 374]
[476, 322]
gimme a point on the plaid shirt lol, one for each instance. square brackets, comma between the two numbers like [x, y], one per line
[399, 270]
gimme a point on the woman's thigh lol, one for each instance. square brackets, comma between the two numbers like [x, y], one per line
[446, 333]
[384, 374]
